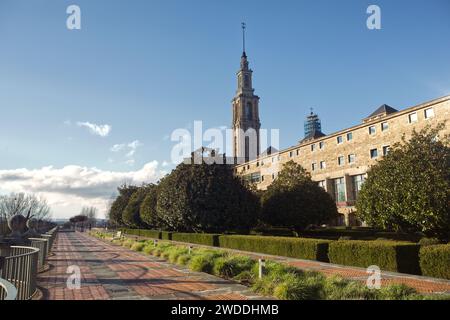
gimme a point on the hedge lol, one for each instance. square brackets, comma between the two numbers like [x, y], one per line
[388, 255]
[198, 238]
[435, 261]
[143, 233]
[166, 235]
[310, 249]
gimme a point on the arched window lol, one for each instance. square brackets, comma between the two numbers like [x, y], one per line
[249, 110]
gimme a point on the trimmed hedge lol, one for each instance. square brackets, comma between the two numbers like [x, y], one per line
[310, 249]
[435, 261]
[388, 255]
[207, 239]
[143, 233]
[166, 235]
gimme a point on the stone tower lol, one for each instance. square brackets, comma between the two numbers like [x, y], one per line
[246, 124]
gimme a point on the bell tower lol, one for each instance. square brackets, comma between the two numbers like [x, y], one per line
[245, 105]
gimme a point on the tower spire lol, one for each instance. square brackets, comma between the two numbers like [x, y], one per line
[244, 26]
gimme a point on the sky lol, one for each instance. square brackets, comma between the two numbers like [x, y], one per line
[83, 111]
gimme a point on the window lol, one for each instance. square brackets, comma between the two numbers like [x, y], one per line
[249, 111]
[273, 159]
[357, 184]
[339, 140]
[273, 176]
[349, 136]
[373, 153]
[291, 154]
[372, 130]
[247, 81]
[255, 177]
[412, 117]
[386, 150]
[262, 162]
[257, 164]
[384, 126]
[429, 113]
[351, 158]
[323, 165]
[341, 160]
[313, 147]
[339, 190]
[279, 158]
[262, 178]
[313, 166]
[298, 151]
[322, 184]
[321, 145]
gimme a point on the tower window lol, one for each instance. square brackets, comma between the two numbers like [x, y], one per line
[246, 81]
[249, 111]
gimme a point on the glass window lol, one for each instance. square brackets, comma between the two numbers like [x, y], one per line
[384, 126]
[339, 139]
[313, 166]
[313, 147]
[412, 117]
[321, 145]
[372, 130]
[349, 136]
[373, 153]
[291, 154]
[339, 190]
[429, 113]
[323, 165]
[341, 160]
[357, 184]
[385, 150]
[298, 152]
[351, 158]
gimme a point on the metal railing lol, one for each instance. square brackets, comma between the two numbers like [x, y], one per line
[42, 244]
[20, 269]
[7, 290]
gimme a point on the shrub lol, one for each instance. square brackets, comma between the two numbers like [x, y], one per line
[396, 292]
[205, 198]
[148, 249]
[203, 260]
[207, 239]
[435, 261]
[294, 200]
[165, 235]
[184, 259]
[429, 241]
[138, 246]
[127, 243]
[388, 255]
[232, 266]
[301, 248]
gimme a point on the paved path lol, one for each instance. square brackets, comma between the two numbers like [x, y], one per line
[113, 272]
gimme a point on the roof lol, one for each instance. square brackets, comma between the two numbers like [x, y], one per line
[383, 110]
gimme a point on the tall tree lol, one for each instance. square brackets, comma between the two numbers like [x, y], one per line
[147, 210]
[120, 203]
[409, 189]
[294, 200]
[131, 214]
[205, 198]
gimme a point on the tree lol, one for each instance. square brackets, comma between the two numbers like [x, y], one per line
[205, 198]
[120, 203]
[147, 210]
[409, 189]
[131, 214]
[294, 200]
[27, 205]
[91, 214]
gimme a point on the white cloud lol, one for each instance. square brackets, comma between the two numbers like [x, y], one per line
[69, 188]
[117, 147]
[101, 130]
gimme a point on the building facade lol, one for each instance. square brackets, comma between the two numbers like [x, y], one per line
[339, 162]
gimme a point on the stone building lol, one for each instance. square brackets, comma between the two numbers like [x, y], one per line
[339, 161]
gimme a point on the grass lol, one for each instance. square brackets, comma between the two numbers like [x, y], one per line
[279, 280]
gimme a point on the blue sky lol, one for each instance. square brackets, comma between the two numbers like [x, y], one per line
[146, 68]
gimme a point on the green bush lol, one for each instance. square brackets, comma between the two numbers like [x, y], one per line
[232, 266]
[203, 260]
[165, 235]
[435, 261]
[207, 239]
[138, 246]
[148, 249]
[388, 255]
[395, 292]
[429, 241]
[310, 249]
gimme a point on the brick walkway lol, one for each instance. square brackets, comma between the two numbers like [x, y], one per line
[113, 272]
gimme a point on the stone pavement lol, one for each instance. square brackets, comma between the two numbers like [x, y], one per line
[113, 272]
